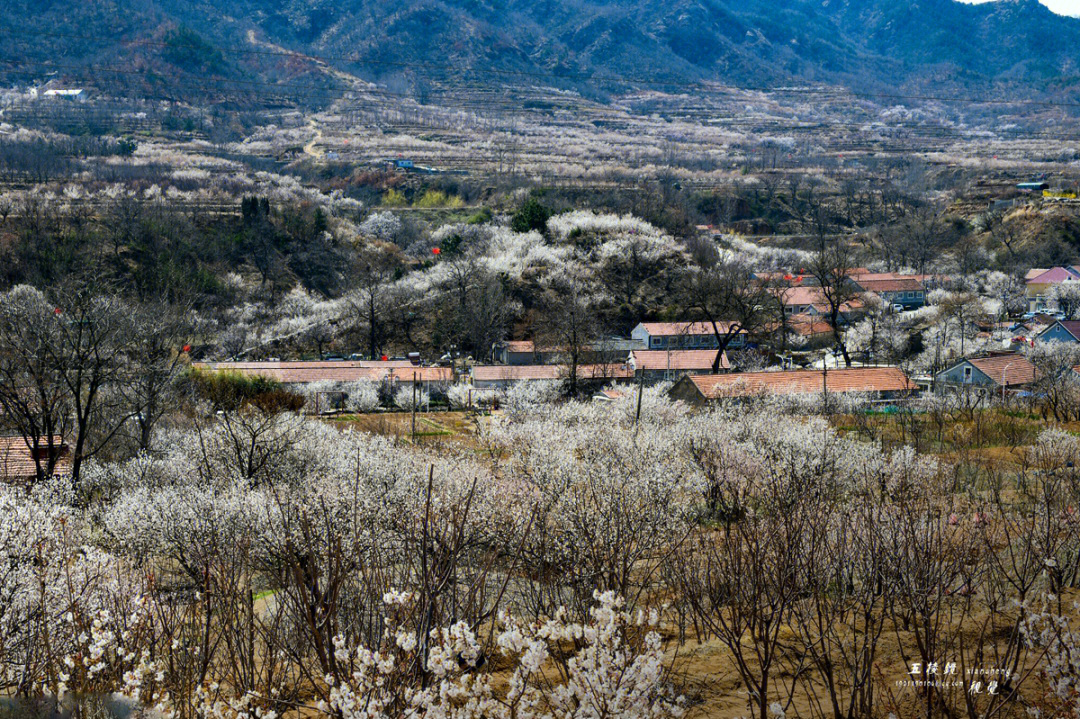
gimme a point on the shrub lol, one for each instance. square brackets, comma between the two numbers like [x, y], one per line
[481, 217]
[231, 391]
[531, 216]
[403, 397]
[437, 198]
[394, 198]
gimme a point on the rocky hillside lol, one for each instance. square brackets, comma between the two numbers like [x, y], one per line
[1016, 46]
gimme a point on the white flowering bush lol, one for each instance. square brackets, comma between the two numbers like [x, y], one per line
[617, 669]
[513, 574]
[563, 225]
[407, 398]
[384, 226]
[526, 396]
[361, 396]
[1057, 635]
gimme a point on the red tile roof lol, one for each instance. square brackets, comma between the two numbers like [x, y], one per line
[892, 284]
[1015, 368]
[678, 359]
[514, 373]
[17, 460]
[806, 326]
[307, 372]
[813, 297]
[856, 379]
[520, 346]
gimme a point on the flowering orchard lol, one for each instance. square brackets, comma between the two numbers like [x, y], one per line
[575, 561]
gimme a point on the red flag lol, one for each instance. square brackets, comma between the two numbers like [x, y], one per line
[57, 311]
[384, 358]
[787, 277]
[186, 348]
[435, 251]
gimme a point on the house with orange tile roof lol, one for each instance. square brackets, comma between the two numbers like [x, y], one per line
[670, 365]
[23, 460]
[894, 288]
[995, 372]
[877, 382]
[812, 301]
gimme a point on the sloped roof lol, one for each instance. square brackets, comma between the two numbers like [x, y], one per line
[874, 276]
[856, 379]
[308, 372]
[1014, 368]
[658, 329]
[17, 460]
[891, 284]
[302, 364]
[1054, 275]
[1070, 326]
[806, 326]
[515, 373]
[520, 346]
[659, 360]
[813, 297]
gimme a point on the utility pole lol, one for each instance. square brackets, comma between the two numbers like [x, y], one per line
[640, 391]
[825, 385]
[414, 407]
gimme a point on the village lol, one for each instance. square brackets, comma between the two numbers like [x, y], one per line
[576, 359]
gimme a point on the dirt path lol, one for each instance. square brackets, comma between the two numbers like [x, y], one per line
[311, 148]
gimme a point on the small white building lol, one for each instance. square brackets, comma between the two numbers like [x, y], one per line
[66, 93]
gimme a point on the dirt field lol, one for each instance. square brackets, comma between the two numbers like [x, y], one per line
[431, 427]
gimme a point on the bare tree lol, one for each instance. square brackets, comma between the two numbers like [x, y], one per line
[32, 394]
[570, 321]
[831, 267]
[726, 294]
[155, 360]
[62, 366]
[95, 335]
[374, 271]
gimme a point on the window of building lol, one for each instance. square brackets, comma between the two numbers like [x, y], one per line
[967, 375]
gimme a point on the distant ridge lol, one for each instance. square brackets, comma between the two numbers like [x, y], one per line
[864, 44]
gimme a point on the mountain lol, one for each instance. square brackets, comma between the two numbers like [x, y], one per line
[178, 44]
